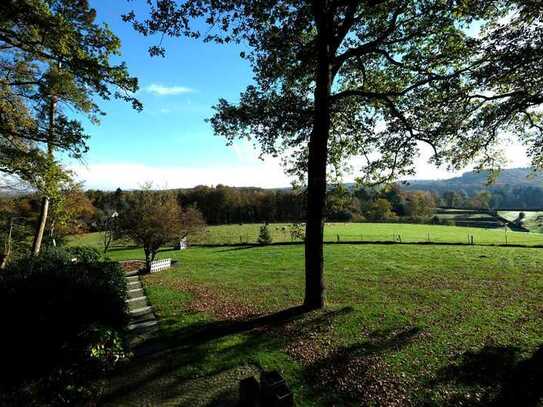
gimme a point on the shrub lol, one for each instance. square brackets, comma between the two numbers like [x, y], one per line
[84, 254]
[264, 237]
[58, 311]
[297, 231]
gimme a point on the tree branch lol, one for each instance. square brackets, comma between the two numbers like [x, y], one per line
[367, 47]
[382, 95]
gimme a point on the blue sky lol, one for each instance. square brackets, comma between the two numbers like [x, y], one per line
[169, 143]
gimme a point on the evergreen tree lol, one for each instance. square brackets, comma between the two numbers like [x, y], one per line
[264, 236]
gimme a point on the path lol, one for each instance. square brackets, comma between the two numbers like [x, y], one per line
[143, 324]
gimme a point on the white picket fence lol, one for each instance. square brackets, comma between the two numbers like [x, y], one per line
[159, 265]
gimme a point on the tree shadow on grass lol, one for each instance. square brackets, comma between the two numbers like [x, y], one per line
[222, 248]
[357, 374]
[168, 249]
[500, 375]
[123, 248]
[237, 248]
[206, 358]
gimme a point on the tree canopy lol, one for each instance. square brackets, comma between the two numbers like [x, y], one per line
[510, 77]
[402, 73]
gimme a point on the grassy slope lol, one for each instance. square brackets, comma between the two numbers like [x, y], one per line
[360, 231]
[434, 323]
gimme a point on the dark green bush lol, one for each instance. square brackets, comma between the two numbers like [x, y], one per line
[84, 254]
[56, 311]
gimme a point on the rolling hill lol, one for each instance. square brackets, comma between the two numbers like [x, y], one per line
[473, 182]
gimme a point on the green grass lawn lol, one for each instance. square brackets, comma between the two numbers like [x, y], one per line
[427, 325]
[386, 232]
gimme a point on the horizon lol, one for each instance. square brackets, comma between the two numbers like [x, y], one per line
[286, 187]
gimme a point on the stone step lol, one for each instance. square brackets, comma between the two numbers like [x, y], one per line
[142, 326]
[140, 311]
[148, 316]
[138, 302]
[133, 285]
[136, 293]
[132, 273]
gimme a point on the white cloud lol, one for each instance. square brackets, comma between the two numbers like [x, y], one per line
[129, 175]
[163, 90]
[246, 152]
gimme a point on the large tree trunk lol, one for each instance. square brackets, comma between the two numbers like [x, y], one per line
[147, 260]
[36, 246]
[38, 237]
[318, 152]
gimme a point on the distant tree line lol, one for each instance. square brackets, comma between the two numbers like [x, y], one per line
[228, 205]
[495, 197]
[91, 210]
[218, 205]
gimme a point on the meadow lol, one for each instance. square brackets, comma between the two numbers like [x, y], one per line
[356, 232]
[404, 324]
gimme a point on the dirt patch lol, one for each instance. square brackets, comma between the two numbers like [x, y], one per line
[132, 265]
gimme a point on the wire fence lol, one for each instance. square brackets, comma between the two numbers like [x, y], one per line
[476, 239]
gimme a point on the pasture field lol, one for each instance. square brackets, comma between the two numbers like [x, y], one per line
[404, 325]
[368, 232]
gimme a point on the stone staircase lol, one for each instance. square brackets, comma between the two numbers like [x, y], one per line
[143, 324]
